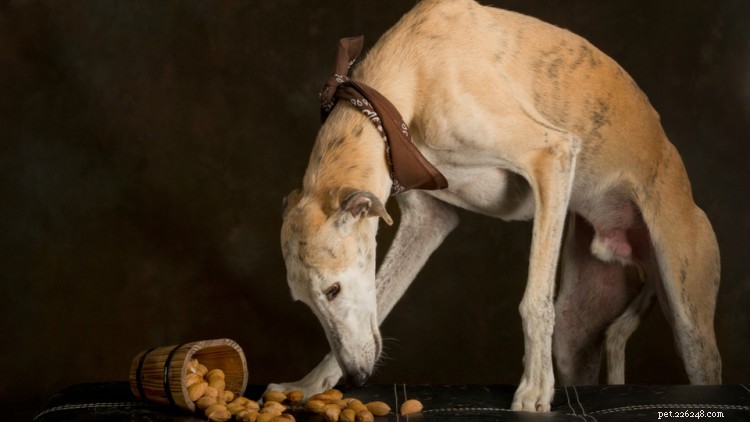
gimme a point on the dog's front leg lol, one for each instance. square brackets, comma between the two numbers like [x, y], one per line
[425, 222]
[550, 172]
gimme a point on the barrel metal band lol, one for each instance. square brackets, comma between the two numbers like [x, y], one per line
[139, 372]
[167, 390]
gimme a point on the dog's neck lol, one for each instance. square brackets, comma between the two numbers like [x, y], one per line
[348, 152]
[396, 83]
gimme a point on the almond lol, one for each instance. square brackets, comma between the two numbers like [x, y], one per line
[247, 416]
[220, 415]
[325, 398]
[347, 415]
[336, 394]
[365, 416]
[217, 383]
[202, 370]
[273, 407]
[378, 408]
[331, 413]
[211, 392]
[315, 406]
[191, 379]
[295, 396]
[411, 407]
[204, 403]
[276, 396]
[356, 406]
[197, 390]
[218, 412]
[236, 408]
[215, 373]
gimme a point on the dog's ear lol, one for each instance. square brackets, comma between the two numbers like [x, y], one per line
[290, 201]
[355, 203]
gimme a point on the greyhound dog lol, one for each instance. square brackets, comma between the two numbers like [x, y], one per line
[526, 121]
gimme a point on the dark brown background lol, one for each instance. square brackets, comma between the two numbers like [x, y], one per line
[146, 147]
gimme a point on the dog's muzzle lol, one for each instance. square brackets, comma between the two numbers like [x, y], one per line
[356, 378]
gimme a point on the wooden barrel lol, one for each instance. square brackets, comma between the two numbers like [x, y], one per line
[158, 374]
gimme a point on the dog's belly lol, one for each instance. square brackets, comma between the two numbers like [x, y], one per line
[494, 192]
[620, 234]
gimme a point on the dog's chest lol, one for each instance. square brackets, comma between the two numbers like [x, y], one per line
[493, 192]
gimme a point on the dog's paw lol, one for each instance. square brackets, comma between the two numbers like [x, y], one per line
[322, 378]
[533, 398]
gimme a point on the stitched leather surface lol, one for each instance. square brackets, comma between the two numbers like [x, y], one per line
[114, 402]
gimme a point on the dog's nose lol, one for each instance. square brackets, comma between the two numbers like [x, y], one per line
[357, 378]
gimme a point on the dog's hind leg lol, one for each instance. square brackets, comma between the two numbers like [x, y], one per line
[592, 294]
[425, 222]
[687, 254]
[689, 264]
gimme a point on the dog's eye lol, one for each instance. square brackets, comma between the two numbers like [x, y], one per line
[332, 291]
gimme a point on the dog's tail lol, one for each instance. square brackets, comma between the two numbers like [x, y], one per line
[622, 328]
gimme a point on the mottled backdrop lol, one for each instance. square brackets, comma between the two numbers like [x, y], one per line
[145, 148]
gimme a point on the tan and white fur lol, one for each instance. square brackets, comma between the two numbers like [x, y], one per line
[526, 121]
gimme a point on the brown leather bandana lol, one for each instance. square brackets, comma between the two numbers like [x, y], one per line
[409, 168]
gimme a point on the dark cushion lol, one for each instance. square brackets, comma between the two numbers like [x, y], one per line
[114, 402]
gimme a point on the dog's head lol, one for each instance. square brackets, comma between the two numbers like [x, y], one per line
[328, 243]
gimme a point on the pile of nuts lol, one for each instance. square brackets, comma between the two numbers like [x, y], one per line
[334, 407]
[207, 390]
